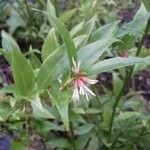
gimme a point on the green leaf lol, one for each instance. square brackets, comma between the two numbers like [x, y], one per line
[117, 84]
[61, 101]
[82, 141]
[127, 115]
[38, 109]
[133, 27]
[141, 12]
[115, 63]
[17, 145]
[104, 32]
[75, 117]
[106, 116]
[34, 60]
[43, 126]
[23, 73]
[8, 89]
[58, 143]
[50, 44]
[90, 53]
[64, 33]
[80, 41]
[128, 42]
[14, 21]
[76, 29]
[51, 8]
[9, 45]
[146, 4]
[53, 66]
[84, 129]
[87, 27]
[67, 15]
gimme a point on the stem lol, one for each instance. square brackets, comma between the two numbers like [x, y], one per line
[72, 136]
[127, 79]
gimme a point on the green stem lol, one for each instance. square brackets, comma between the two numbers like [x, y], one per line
[127, 79]
[72, 136]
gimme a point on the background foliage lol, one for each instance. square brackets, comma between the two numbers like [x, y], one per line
[39, 40]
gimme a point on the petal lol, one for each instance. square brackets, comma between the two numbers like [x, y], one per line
[82, 92]
[75, 95]
[88, 90]
[87, 97]
[90, 81]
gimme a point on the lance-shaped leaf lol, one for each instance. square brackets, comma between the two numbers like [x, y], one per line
[67, 15]
[64, 33]
[115, 63]
[87, 27]
[23, 73]
[105, 32]
[133, 27]
[38, 109]
[9, 45]
[90, 53]
[76, 29]
[51, 8]
[50, 44]
[55, 65]
[34, 60]
[146, 4]
[61, 101]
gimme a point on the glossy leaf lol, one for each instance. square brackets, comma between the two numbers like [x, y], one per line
[9, 45]
[115, 63]
[133, 27]
[50, 44]
[127, 42]
[146, 4]
[51, 8]
[53, 66]
[17, 144]
[34, 60]
[67, 15]
[84, 129]
[87, 27]
[58, 143]
[105, 32]
[90, 53]
[61, 101]
[81, 141]
[64, 33]
[106, 116]
[38, 110]
[141, 12]
[23, 73]
[76, 29]
[117, 84]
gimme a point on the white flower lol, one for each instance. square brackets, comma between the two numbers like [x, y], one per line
[79, 83]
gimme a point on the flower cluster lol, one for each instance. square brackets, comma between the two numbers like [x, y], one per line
[79, 83]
